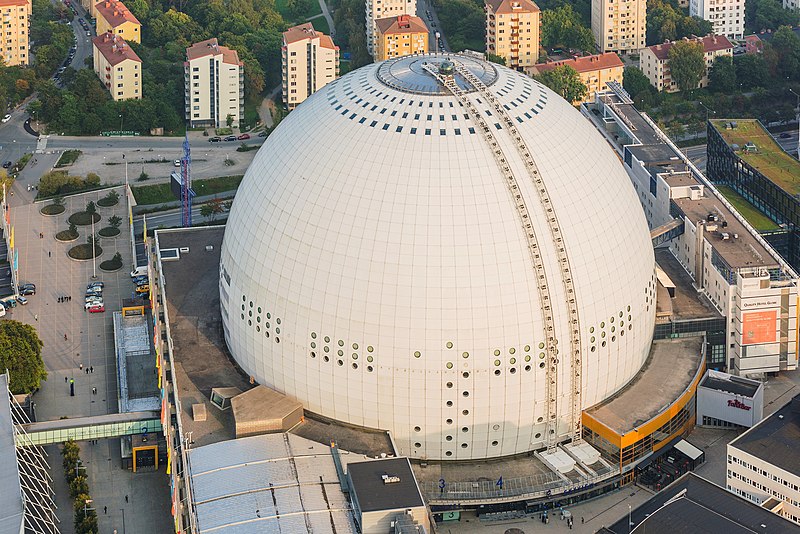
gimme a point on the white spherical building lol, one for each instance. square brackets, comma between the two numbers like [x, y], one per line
[376, 265]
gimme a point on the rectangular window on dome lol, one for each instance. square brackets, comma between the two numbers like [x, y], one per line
[385, 126]
[399, 129]
[373, 123]
[458, 131]
[413, 130]
[442, 132]
[427, 131]
[361, 120]
[497, 125]
[471, 130]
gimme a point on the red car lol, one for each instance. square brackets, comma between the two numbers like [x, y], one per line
[243, 137]
[97, 309]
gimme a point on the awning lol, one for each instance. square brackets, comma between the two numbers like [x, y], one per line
[688, 449]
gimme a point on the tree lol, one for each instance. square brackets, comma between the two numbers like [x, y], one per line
[229, 120]
[565, 81]
[751, 71]
[73, 229]
[687, 64]
[635, 82]
[115, 221]
[21, 354]
[58, 201]
[787, 46]
[562, 26]
[768, 15]
[667, 22]
[212, 208]
[722, 77]
[91, 208]
[493, 58]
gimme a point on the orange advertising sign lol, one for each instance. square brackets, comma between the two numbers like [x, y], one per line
[759, 327]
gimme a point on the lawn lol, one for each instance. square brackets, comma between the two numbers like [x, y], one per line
[760, 222]
[769, 159]
[161, 193]
[68, 158]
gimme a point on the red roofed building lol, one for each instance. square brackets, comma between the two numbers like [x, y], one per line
[303, 45]
[513, 31]
[654, 60]
[15, 49]
[117, 66]
[113, 16]
[214, 85]
[595, 71]
[400, 36]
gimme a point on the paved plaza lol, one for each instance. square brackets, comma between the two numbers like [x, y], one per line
[76, 341]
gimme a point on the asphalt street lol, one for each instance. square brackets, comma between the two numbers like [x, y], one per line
[423, 6]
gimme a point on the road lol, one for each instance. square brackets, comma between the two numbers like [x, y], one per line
[423, 7]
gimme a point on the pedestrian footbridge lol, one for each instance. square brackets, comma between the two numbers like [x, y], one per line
[86, 428]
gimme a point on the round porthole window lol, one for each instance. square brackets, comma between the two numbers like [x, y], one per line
[369, 368]
[464, 445]
[495, 443]
[465, 393]
[417, 429]
[355, 346]
[278, 320]
[465, 374]
[369, 359]
[465, 412]
[449, 344]
[497, 352]
[327, 339]
[417, 354]
[449, 385]
[418, 445]
[449, 365]
[369, 348]
[448, 453]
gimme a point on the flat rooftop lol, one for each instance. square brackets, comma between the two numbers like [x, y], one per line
[688, 302]
[136, 363]
[269, 483]
[668, 371]
[374, 495]
[743, 251]
[192, 300]
[775, 438]
[693, 504]
[634, 120]
[730, 384]
[769, 158]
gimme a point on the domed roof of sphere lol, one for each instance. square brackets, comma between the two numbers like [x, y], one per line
[394, 261]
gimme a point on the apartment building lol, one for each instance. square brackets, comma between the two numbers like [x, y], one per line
[791, 4]
[113, 16]
[725, 16]
[117, 66]
[214, 89]
[15, 48]
[619, 26]
[309, 60]
[513, 31]
[763, 466]
[400, 36]
[595, 71]
[654, 60]
[381, 9]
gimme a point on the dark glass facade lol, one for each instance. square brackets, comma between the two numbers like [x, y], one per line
[714, 329]
[724, 167]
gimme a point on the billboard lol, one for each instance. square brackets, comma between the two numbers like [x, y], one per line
[759, 327]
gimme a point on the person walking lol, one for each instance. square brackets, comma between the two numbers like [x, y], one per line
[35, 317]
[91, 369]
[105, 509]
[65, 337]
[81, 364]
[49, 255]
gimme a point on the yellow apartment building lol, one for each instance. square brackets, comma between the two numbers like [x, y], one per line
[117, 66]
[16, 24]
[595, 71]
[513, 31]
[400, 36]
[113, 16]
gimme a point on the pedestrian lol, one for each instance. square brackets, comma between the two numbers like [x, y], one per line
[35, 317]
[65, 379]
[94, 391]
[65, 337]
[581, 520]
[91, 369]
[105, 509]
[87, 370]
[81, 364]
[49, 255]
[126, 498]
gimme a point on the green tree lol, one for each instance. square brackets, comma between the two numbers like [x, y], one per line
[73, 229]
[565, 81]
[787, 46]
[666, 21]
[78, 486]
[635, 82]
[687, 64]
[722, 77]
[500, 60]
[768, 15]
[751, 71]
[562, 26]
[212, 208]
[229, 120]
[21, 354]
[91, 207]
[115, 221]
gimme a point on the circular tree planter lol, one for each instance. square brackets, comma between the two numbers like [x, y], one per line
[109, 231]
[67, 236]
[84, 252]
[81, 218]
[52, 209]
[111, 265]
[107, 202]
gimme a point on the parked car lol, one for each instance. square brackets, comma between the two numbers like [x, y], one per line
[243, 137]
[92, 304]
[263, 134]
[139, 280]
[140, 283]
[92, 296]
[22, 300]
[6, 164]
[231, 138]
[27, 289]
[145, 288]
[9, 303]
[785, 135]
[215, 139]
[94, 292]
[7, 117]
[177, 163]
[96, 284]
[97, 309]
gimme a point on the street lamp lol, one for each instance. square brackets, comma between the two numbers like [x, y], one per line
[707, 109]
[797, 116]
[120, 123]
[86, 508]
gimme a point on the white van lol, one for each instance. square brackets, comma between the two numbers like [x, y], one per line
[139, 271]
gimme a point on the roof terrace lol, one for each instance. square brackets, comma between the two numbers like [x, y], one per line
[768, 158]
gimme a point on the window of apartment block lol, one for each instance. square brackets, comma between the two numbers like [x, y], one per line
[195, 77]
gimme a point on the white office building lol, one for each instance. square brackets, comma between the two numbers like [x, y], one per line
[729, 401]
[726, 16]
